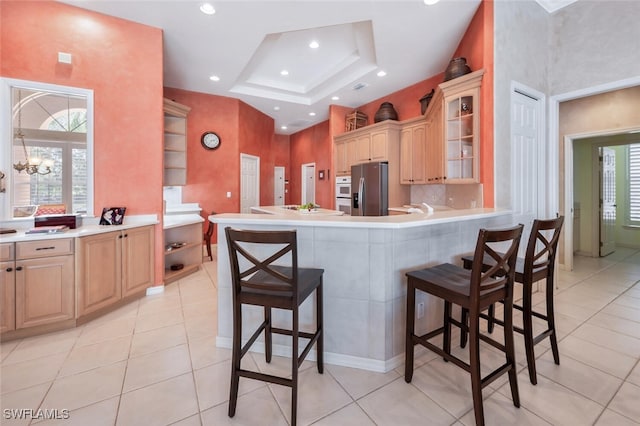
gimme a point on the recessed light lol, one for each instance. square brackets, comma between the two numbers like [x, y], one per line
[314, 44]
[283, 127]
[312, 114]
[430, 2]
[284, 72]
[381, 73]
[276, 108]
[207, 9]
[214, 78]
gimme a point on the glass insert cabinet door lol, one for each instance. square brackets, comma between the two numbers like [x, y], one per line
[462, 136]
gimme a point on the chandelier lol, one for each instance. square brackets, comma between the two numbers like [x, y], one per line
[32, 165]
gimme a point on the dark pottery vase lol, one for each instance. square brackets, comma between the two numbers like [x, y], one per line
[386, 112]
[457, 67]
[424, 101]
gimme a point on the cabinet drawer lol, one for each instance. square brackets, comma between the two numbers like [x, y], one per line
[44, 248]
[6, 252]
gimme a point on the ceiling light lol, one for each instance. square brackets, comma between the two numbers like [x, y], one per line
[312, 114]
[430, 2]
[283, 127]
[214, 78]
[207, 9]
[276, 108]
[381, 73]
[284, 72]
[314, 44]
[335, 98]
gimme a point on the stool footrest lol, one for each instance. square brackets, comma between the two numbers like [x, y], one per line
[265, 377]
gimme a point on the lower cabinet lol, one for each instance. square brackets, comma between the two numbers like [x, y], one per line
[7, 288]
[37, 285]
[113, 266]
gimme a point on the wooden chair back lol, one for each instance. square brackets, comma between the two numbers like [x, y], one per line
[542, 245]
[491, 243]
[246, 264]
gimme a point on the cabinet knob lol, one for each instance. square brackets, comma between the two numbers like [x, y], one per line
[18, 268]
[126, 235]
[9, 269]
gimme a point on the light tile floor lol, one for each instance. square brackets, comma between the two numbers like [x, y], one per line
[154, 362]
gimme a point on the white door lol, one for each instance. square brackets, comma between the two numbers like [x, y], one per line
[249, 182]
[308, 183]
[278, 186]
[527, 161]
[607, 200]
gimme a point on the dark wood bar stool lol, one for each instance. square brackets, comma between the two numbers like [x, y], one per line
[538, 264]
[474, 291]
[263, 283]
[207, 236]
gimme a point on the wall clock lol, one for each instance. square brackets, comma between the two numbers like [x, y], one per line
[210, 140]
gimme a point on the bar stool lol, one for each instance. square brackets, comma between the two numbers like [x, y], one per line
[473, 290]
[207, 236]
[538, 264]
[263, 283]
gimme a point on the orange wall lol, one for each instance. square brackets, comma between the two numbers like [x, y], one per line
[312, 145]
[127, 93]
[242, 129]
[477, 47]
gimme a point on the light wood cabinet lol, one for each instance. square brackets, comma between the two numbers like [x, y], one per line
[7, 288]
[175, 143]
[413, 145]
[38, 286]
[112, 266]
[453, 134]
[377, 142]
[183, 245]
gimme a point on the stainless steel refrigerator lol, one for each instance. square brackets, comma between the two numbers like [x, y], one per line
[370, 189]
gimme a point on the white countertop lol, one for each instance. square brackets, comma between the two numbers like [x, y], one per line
[82, 231]
[184, 208]
[389, 222]
[292, 211]
[176, 220]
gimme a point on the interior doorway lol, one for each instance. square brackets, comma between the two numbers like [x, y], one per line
[249, 182]
[607, 195]
[278, 186]
[308, 183]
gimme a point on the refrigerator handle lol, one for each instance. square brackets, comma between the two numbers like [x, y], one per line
[361, 195]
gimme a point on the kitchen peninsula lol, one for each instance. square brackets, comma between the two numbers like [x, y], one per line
[365, 260]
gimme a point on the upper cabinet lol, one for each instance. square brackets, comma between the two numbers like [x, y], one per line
[451, 132]
[175, 143]
[413, 145]
[365, 145]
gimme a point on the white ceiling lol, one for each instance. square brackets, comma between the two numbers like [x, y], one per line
[248, 43]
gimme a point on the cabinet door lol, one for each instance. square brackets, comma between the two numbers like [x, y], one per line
[434, 147]
[405, 156]
[363, 150]
[44, 290]
[137, 259]
[418, 147]
[341, 158]
[8, 295]
[461, 137]
[98, 271]
[352, 154]
[379, 147]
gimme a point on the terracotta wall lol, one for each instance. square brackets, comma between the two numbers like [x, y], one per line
[477, 47]
[127, 92]
[242, 129]
[312, 145]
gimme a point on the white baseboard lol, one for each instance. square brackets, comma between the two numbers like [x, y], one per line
[362, 363]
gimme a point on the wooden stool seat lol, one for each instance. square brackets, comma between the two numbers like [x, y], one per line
[474, 290]
[538, 264]
[258, 281]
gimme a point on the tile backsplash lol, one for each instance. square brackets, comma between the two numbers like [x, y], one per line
[459, 196]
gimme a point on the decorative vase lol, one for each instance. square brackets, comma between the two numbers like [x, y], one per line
[424, 101]
[457, 67]
[386, 112]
